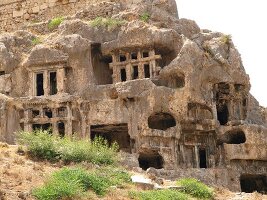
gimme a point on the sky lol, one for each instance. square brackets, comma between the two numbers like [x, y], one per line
[245, 20]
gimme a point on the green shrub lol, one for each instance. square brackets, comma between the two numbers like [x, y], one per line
[145, 17]
[73, 183]
[42, 145]
[101, 153]
[109, 23]
[196, 188]
[36, 41]
[55, 22]
[158, 195]
[225, 39]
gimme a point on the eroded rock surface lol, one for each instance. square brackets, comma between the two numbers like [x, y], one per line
[173, 96]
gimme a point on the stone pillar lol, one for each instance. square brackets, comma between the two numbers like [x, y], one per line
[152, 63]
[141, 72]
[46, 83]
[32, 89]
[84, 135]
[197, 158]
[27, 117]
[129, 72]
[68, 125]
[60, 80]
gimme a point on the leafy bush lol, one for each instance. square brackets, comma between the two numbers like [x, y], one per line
[73, 183]
[158, 195]
[109, 23]
[54, 23]
[42, 145]
[36, 41]
[196, 188]
[145, 16]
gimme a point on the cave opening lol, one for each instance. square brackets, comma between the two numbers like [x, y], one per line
[235, 137]
[150, 159]
[250, 183]
[113, 133]
[161, 121]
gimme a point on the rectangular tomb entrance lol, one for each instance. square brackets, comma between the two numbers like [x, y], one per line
[250, 183]
[113, 133]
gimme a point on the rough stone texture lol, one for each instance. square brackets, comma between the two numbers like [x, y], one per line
[174, 97]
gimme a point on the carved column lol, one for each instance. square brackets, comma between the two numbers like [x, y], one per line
[46, 83]
[60, 80]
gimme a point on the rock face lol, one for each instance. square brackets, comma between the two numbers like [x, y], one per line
[174, 97]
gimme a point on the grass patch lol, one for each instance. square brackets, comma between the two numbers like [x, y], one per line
[225, 39]
[72, 183]
[158, 195]
[36, 41]
[55, 22]
[42, 145]
[145, 17]
[108, 23]
[196, 188]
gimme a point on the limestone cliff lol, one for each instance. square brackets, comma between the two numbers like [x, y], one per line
[173, 96]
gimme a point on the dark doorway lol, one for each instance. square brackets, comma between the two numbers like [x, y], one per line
[113, 133]
[135, 72]
[202, 158]
[150, 159]
[53, 83]
[252, 183]
[61, 129]
[134, 56]
[145, 54]
[35, 113]
[161, 121]
[40, 84]
[122, 58]
[48, 112]
[123, 75]
[45, 127]
[147, 70]
[222, 113]
[102, 72]
[2, 73]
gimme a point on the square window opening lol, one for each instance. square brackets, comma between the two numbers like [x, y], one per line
[39, 84]
[53, 83]
[123, 75]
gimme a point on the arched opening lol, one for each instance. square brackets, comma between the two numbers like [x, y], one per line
[161, 121]
[150, 159]
[234, 137]
[251, 183]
